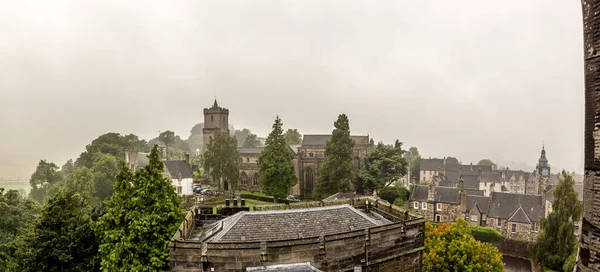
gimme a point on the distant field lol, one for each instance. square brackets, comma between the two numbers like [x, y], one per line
[15, 185]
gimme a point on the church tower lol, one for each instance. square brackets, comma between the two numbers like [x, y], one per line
[543, 168]
[216, 121]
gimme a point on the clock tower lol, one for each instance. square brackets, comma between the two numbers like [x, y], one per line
[543, 168]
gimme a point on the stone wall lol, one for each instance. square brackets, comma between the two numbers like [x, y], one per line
[397, 246]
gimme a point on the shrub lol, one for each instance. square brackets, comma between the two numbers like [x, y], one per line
[390, 194]
[484, 234]
[399, 202]
[263, 198]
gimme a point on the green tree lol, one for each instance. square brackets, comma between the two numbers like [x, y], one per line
[451, 247]
[487, 162]
[251, 141]
[17, 214]
[105, 169]
[292, 137]
[196, 139]
[337, 170]
[240, 135]
[383, 166]
[391, 194]
[46, 174]
[415, 168]
[222, 160]
[276, 170]
[110, 143]
[67, 168]
[139, 220]
[80, 181]
[557, 238]
[63, 239]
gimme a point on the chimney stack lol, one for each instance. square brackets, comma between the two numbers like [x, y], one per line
[187, 159]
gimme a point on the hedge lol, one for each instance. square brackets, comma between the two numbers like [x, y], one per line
[484, 234]
[264, 198]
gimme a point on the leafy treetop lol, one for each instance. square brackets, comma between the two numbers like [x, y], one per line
[276, 170]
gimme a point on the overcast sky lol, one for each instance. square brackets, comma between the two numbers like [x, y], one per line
[468, 78]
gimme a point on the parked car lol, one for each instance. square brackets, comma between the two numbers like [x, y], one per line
[207, 191]
[292, 198]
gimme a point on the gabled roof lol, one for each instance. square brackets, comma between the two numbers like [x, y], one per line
[451, 175]
[419, 193]
[250, 150]
[431, 164]
[519, 216]
[176, 167]
[294, 148]
[315, 140]
[447, 195]
[480, 201]
[291, 224]
[504, 205]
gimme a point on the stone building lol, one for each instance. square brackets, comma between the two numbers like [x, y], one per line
[327, 238]
[438, 203]
[311, 155]
[516, 216]
[179, 172]
[249, 168]
[216, 122]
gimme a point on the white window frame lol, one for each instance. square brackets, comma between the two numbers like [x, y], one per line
[535, 227]
[179, 189]
[438, 206]
[424, 205]
[416, 205]
[513, 228]
[438, 218]
[474, 219]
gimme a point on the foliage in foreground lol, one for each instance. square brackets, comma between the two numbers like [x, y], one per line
[451, 247]
[276, 170]
[139, 220]
[484, 234]
[557, 239]
[222, 160]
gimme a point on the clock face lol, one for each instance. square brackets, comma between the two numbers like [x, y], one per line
[545, 172]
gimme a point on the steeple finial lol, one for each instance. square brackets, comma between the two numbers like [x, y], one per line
[215, 105]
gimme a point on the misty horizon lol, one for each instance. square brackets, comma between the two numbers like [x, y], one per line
[470, 80]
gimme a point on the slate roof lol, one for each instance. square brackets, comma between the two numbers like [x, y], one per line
[490, 177]
[446, 183]
[292, 224]
[431, 164]
[419, 193]
[451, 175]
[447, 195]
[442, 194]
[175, 167]
[297, 267]
[519, 216]
[294, 148]
[474, 192]
[504, 205]
[315, 140]
[470, 182]
[481, 202]
[250, 150]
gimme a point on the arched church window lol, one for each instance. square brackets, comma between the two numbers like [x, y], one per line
[244, 178]
[255, 179]
[212, 118]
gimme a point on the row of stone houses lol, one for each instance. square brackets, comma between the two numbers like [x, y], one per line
[515, 216]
